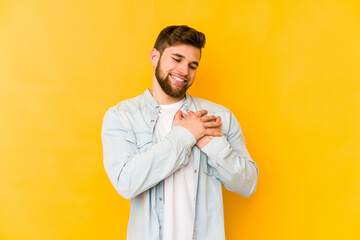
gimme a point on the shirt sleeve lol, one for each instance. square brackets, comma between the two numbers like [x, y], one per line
[132, 172]
[232, 161]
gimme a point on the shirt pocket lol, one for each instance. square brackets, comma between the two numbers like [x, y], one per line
[142, 141]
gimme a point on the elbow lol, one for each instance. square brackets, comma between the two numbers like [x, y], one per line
[126, 195]
[250, 192]
[120, 181]
[122, 186]
[125, 190]
[247, 185]
[251, 182]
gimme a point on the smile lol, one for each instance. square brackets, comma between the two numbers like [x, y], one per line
[178, 80]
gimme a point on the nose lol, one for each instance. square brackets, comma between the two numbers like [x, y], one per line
[184, 69]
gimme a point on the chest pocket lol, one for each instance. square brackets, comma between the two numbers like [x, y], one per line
[142, 141]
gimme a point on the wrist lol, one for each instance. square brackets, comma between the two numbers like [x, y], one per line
[202, 142]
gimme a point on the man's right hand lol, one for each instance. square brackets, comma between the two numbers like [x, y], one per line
[198, 124]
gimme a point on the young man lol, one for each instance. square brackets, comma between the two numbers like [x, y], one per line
[169, 152]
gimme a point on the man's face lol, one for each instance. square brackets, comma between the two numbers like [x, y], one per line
[176, 69]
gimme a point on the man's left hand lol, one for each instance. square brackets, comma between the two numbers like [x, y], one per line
[202, 142]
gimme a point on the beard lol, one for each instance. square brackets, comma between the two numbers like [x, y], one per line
[165, 83]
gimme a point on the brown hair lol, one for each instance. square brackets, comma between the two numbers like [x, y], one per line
[173, 35]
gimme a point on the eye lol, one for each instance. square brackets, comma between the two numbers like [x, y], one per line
[192, 67]
[177, 60]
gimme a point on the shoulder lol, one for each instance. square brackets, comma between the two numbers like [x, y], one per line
[131, 105]
[124, 113]
[212, 107]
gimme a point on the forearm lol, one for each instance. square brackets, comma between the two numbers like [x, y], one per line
[236, 169]
[133, 173]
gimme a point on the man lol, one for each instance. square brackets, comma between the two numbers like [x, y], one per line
[169, 152]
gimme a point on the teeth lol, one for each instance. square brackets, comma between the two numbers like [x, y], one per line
[178, 79]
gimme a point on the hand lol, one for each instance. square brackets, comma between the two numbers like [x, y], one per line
[198, 124]
[202, 142]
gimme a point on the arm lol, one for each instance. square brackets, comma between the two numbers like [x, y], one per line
[132, 172]
[231, 160]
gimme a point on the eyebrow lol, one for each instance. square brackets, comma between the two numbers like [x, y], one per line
[181, 56]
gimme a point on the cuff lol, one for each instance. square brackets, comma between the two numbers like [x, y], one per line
[215, 148]
[183, 136]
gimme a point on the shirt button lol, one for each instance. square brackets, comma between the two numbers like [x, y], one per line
[195, 171]
[160, 198]
[152, 120]
[160, 227]
[194, 229]
[137, 144]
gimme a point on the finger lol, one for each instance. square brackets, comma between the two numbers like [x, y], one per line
[201, 112]
[208, 118]
[178, 115]
[191, 113]
[218, 120]
[185, 116]
[212, 124]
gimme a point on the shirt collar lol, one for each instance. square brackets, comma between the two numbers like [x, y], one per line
[154, 104]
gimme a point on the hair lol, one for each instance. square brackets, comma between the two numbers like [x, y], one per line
[173, 35]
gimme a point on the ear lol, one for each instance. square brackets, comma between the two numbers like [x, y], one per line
[154, 57]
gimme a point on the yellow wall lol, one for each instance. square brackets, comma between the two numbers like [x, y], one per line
[289, 70]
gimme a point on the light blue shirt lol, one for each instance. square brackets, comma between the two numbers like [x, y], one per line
[137, 163]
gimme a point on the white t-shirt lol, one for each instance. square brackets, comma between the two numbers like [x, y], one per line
[179, 195]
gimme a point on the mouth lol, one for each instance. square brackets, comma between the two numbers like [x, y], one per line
[178, 80]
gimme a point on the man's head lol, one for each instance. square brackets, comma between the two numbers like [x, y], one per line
[175, 58]
[175, 35]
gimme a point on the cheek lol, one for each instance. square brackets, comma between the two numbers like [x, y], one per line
[170, 66]
[193, 74]
[166, 67]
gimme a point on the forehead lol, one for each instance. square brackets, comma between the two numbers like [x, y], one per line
[189, 52]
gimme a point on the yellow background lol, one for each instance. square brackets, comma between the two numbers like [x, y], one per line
[289, 71]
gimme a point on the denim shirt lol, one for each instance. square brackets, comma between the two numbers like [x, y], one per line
[136, 163]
